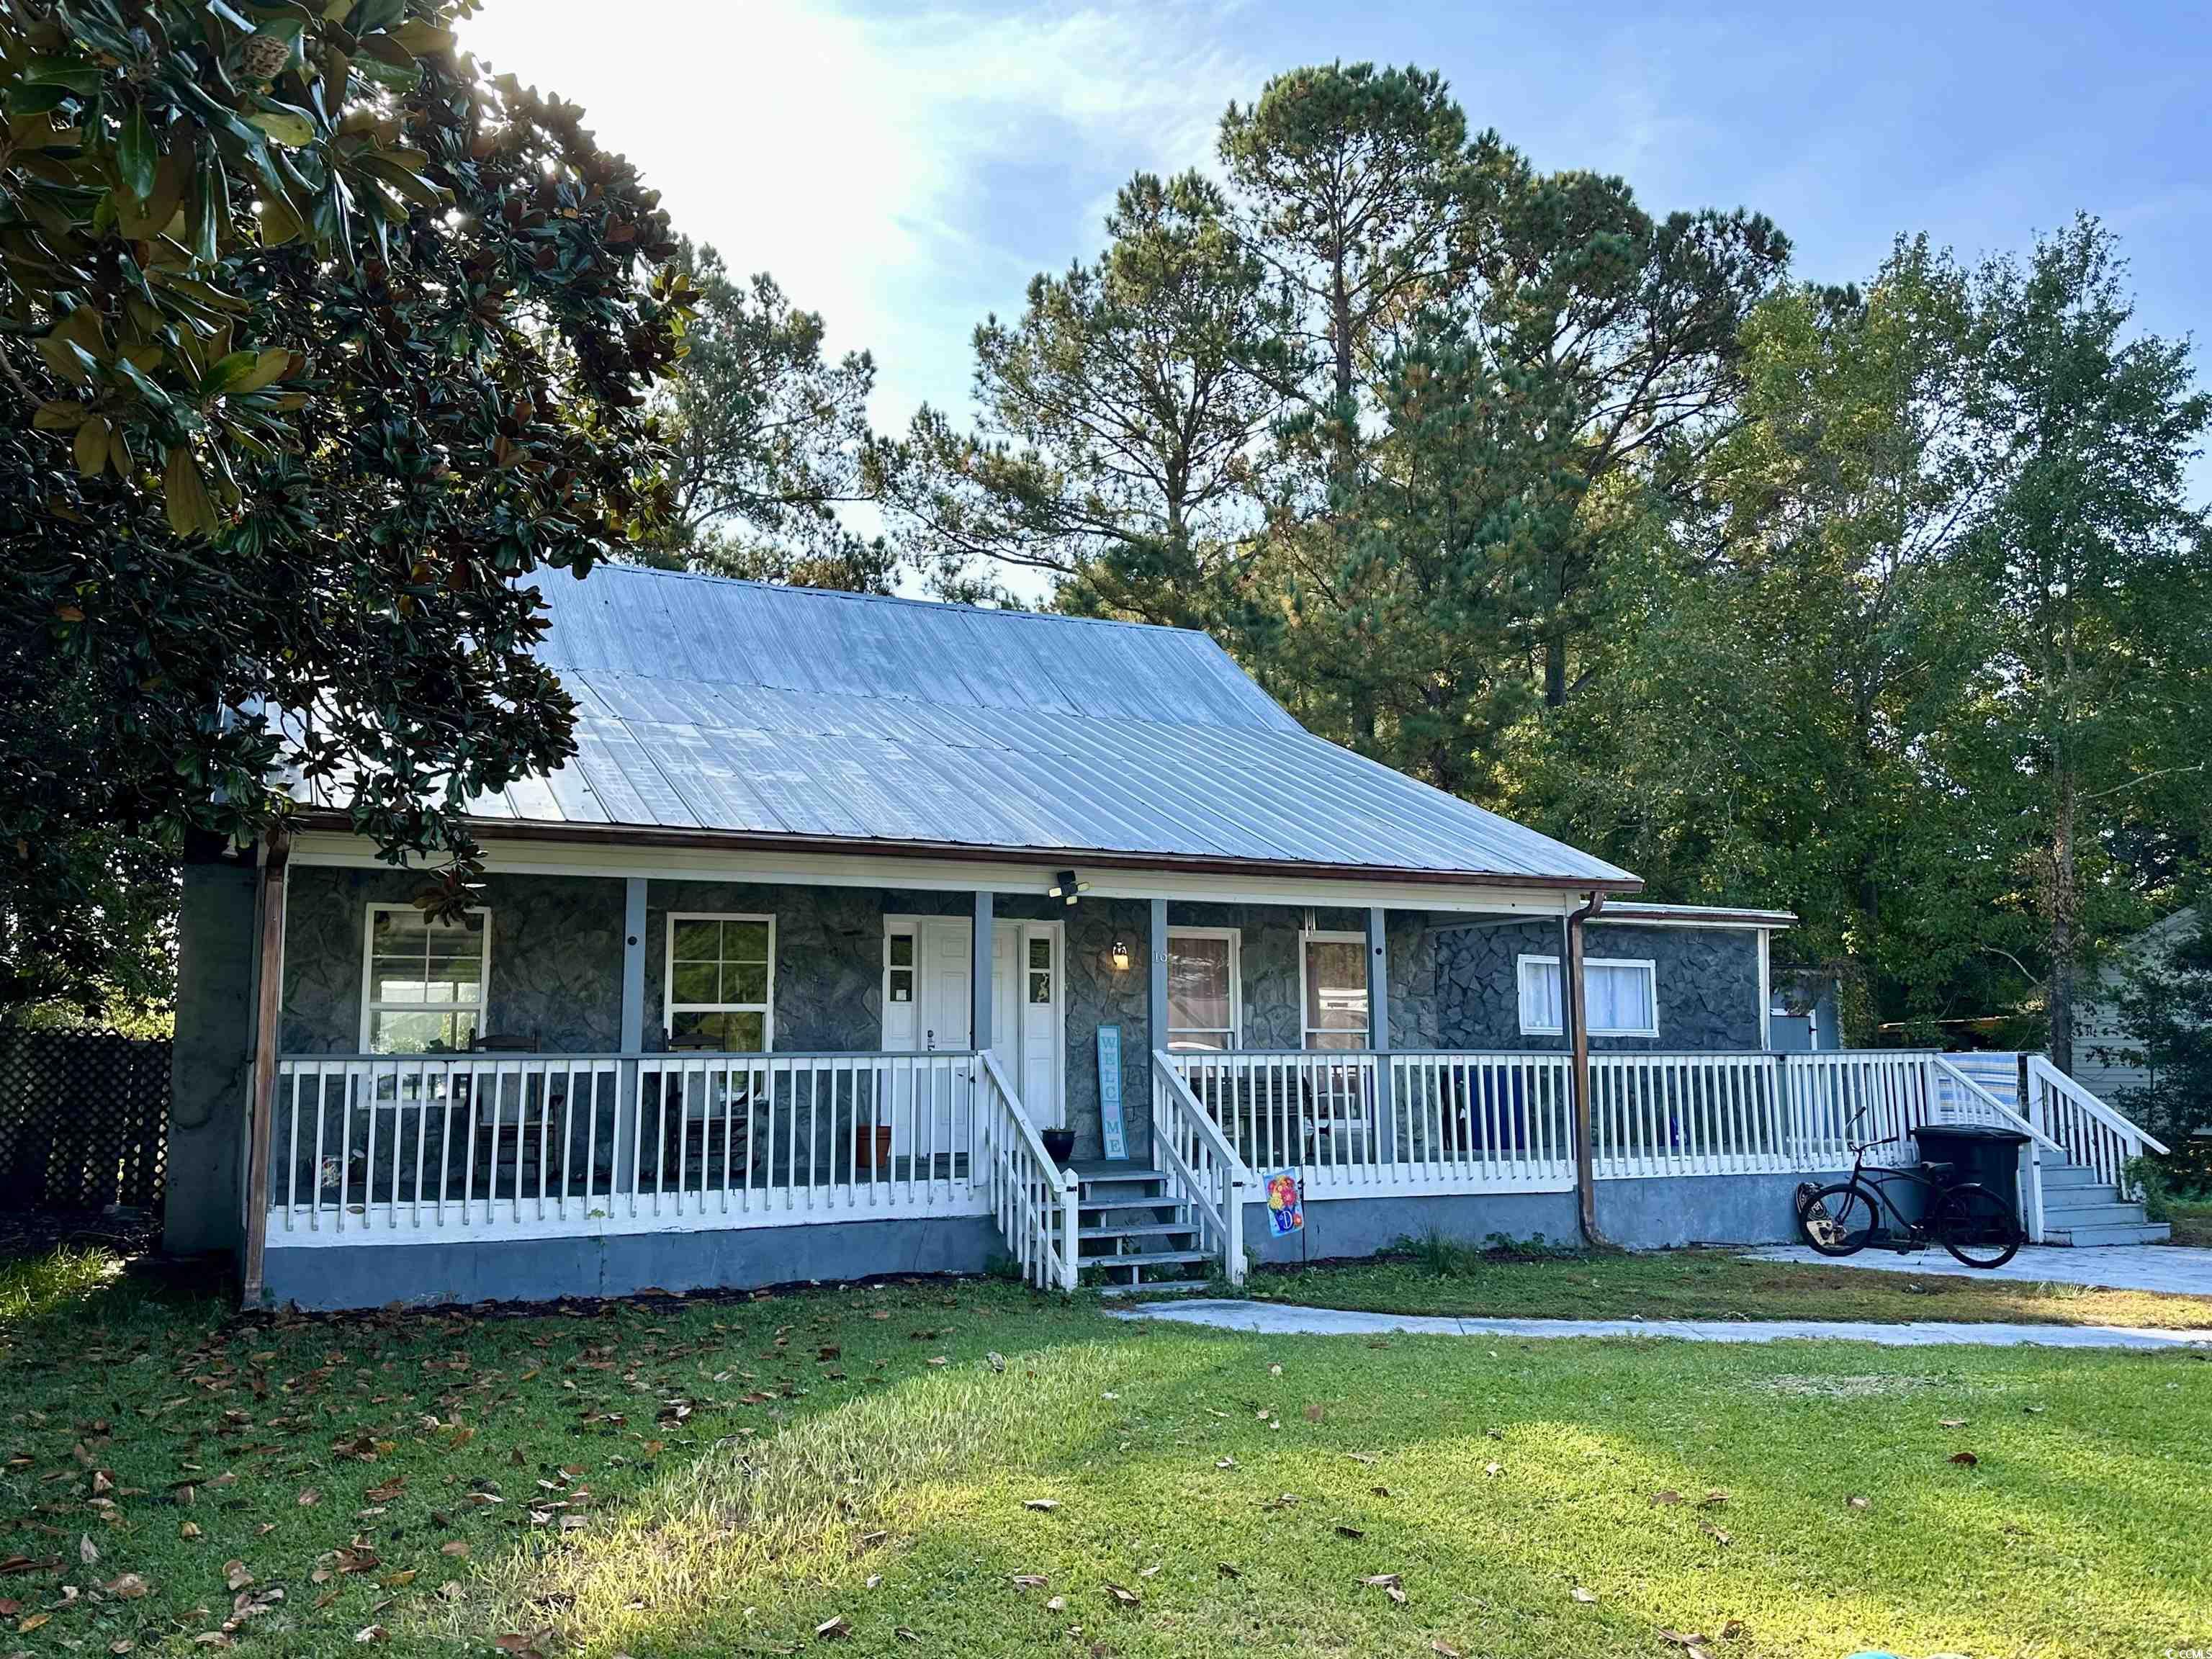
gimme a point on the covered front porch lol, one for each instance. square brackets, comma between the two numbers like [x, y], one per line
[689, 1075]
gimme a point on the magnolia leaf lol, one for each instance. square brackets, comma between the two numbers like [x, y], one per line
[184, 493]
[60, 415]
[92, 447]
[420, 37]
[286, 126]
[137, 157]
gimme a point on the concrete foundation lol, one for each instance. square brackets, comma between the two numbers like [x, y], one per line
[333, 1276]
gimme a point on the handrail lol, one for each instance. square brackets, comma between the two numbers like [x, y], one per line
[1056, 1224]
[2005, 1112]
[2038, 1068]
[1176, 1110]
[1208, 1130]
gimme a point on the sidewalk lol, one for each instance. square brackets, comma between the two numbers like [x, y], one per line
[2175, 1269]
[1278, 1319]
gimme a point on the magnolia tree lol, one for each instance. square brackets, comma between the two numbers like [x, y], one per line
[320, 346]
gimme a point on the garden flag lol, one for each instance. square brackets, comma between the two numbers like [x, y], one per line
[1285, 1214]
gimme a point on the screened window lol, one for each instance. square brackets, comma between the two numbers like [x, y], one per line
[424, 982]
[721, 983]
[1623, 997]
[1202, 991]
[1335, 975]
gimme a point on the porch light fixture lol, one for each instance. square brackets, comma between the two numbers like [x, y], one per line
[1121, 956]
[1065, 888]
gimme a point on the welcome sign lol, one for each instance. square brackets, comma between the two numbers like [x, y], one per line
[1109, 1092]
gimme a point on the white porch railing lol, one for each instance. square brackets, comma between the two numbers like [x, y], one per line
[1034, 1199]
[2090, 1132]
[386, 1146]
[1204, 1170]
[1477, 1122]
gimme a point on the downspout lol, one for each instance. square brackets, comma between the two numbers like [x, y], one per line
[261, 1109]
[1576, 1006]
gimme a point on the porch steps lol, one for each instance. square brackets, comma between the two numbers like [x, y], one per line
[1133, 1232]
[2081, 1210]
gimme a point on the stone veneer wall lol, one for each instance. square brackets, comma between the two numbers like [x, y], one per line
[1707, 985]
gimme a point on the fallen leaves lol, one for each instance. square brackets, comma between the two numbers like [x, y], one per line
[832, 1630]
[1584, 1595]
[1388, 1583]
[1044, 1505]
[130, 1587]
[1965, 1459]
[1122, 1596]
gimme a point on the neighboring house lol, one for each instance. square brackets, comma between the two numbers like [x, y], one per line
[843, 902]
[2108, 1059]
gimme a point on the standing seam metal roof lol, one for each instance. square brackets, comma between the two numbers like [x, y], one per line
[717, 706]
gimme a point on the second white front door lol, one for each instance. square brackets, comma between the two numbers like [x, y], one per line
[927, 971]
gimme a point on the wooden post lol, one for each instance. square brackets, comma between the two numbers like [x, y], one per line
[628, 1101]
[1574, 1007]
[1378, 1031]
[1156, 1009]
[979, 982]
[261, 1106]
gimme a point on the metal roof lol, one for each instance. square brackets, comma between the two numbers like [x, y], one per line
[732, 708]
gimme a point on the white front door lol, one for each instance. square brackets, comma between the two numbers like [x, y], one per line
[927, 971]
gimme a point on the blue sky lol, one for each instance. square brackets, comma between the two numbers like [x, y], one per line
[905, 168]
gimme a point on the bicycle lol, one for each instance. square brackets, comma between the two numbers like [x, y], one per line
[1965, 1217]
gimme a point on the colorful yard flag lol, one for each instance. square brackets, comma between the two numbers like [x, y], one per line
[1285, 1213]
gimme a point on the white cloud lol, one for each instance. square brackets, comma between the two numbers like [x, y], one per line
[901, 175]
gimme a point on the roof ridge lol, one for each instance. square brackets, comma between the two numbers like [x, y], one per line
[939, 605]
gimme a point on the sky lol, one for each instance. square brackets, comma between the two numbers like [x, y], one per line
[904, 169]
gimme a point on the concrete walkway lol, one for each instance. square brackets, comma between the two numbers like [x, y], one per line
[1277, 1319]
[2173, 1269]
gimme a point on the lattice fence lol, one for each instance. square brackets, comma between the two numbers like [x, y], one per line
[82, 1120]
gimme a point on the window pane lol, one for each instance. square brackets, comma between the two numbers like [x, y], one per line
[745, 941]
[697, 941]
[1198, 984]
[1041, 987]
[1198, 1043]
[396, 980]
[406, 1033]
[1619, 999]
[742, 1034]
[1349, 1040]
[902, 984]
[695, 981]
[1539, 996]
[745, 982]
[901, 950]
[1041, 953]
[1336, 986]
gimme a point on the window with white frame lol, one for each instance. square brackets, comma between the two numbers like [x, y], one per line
[1621, 997]
[1205, 1004]
[1333, 974]
[719, 989]
[423, 982]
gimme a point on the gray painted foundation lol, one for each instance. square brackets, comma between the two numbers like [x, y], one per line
[543, 1269]
[1636, 1215]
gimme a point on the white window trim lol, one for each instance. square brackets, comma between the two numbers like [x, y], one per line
[668, 1006]
[1520, 980]
[1333, 936]
[1235, 937]
[370, 1007]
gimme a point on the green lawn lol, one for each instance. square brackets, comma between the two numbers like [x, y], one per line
[725, 1477]
[1710, 1284]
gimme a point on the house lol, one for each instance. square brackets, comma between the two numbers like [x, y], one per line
[845, 902]
[2112, 1059]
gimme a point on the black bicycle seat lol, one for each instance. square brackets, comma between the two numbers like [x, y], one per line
[1936, 1171]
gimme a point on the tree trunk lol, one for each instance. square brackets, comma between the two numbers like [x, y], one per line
[2064, 940]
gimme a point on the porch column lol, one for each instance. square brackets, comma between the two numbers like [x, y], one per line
[1574, 1015]
[633, 1031]
[1378, 1031]
[979, 978]
[261, 1102]
[1156, 1010]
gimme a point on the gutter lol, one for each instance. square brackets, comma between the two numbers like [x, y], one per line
[1576, 1003]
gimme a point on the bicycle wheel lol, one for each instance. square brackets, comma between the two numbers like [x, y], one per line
[1837, 1220]
[1976, 1226]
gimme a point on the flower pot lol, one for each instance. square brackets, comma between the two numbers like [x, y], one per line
[871, 1147]
[1059, 1146]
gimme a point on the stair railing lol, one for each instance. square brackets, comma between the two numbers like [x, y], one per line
[1033, 1198]
[2088, 1131]
[1972, 1102]
[1203, 1169]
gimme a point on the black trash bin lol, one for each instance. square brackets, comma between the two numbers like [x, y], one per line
[1984, 1153]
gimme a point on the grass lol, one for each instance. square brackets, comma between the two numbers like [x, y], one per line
[2192, 1222]
[721, 1478]
[1431, 1276]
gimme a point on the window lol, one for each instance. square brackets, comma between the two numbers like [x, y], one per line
[898, 967]
[423, 981]
[1203, 995]
[1623, 997]
[1334, 978]
[1040, 969]
[721, 986]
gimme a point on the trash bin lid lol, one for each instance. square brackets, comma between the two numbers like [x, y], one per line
[1971, 1132]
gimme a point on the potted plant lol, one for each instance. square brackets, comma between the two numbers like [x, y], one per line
[871, 1146]
[1059, 1146]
